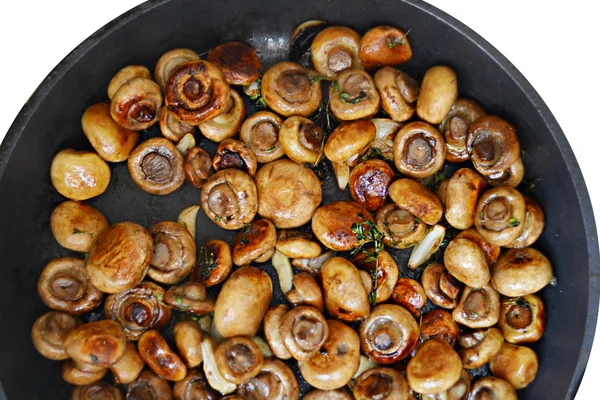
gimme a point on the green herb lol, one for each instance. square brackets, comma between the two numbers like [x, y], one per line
[375, 153]
[513, 222]
[521, 302]
[86, 256]
[218, 218]
[367, 232]
[315, 78]
[244, 241]
[393, 43]
[179, 301]
[195, 380]
[94, 359]
[206, 262]
[346, 98]
[260, 101]
[141, 114]
[432, 182]
[271, 148]
[247, 228]
[159, 297]
[472, 314]
[336, 86]
[373, 298]
[529, 185]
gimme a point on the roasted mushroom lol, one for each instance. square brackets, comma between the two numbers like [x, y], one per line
[120, 257]
[291, 89]
[419, 150]
[458, 391]
[188, 338]
[239, 359]
[149, 386]
[172, 127]
[190, 297]
[384, 269]
[335, 49]
[336, 394]
[332, 224]
[96, 390]
[520, 272]
[194, 386]
[96, 344]
[353, 96]
[533, 225]
[409, 294]
[455, 125]
[522, 319]
[254, 241]
[305, 292]
[155, 351]
[489, 387]
[138, 309]
[303, 331]
[65, 285]
[438, 92]
[462, 193]
[75, 225]
[441, 287]
[302, 140]
[435, 368]
[313, 265]
[79, 175]
[343, 291]
[227, 124]
[260, 132]
[128, 368]
[500, 215]
[466, 261]
[493, 145]
[400, 227]
[380, 383]
[156, 166]
[512, 177]
[518, 365]
[239, 62]
[169, 61]
[71, 373]
[479, 347]
[136, 104]
[197, 166]
[174, 252]
[398, 93]
[369, 183]
[126, 74]
[49, 333]
[274, 381]
[478, 307]
[229, 199]
[297, 244]
[384, 46]
[438, 323]
[415, 198]
[214, 263]
[232, 153]
[272, 322]
[492, 252]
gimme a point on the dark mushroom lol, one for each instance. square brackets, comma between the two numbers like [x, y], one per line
[441, 287]
[238, 62]
[174, 252]
[49, 333]
[260, 132]
[227, 124]
[335, 49]
[492, 144]
[409, 294]
[369, 183]
[438, 92]
[96, 390]
[384, 269]
[155, 351]
[197, 166]
[214, 263]
[353, 96]
[136, 104]
[419, 150]
[194, 386]
[489, 387]
[232, 153]
[384, 46]
[522, 319]
[253, 241]
[79, 175]
[455, 125]
[332, 224]
[438, 323]
[398, 93]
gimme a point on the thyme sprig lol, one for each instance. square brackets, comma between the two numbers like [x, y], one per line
[367, 232]
[206, 262]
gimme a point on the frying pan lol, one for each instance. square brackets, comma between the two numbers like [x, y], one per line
[50, 121]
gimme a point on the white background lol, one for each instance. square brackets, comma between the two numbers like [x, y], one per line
[554, 44]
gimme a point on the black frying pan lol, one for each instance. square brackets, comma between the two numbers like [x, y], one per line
[50, 121]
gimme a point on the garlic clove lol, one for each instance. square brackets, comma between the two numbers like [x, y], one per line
[365, 365]
[427, 246]
[186, 143]
[187, 218]
[284, 270]
[253, 89]
[213, 375]
[342, 174]
[263, 346]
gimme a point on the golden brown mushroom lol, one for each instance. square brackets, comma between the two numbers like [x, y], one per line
[462, 193]
[274, 381]
[415, 198]
[71, 373]
[253, 241]
[149, 385]
[303, 331]
[344, 293]
[239, 359]
[500, 215]
[136, 104]
[398, 93]
[120, 257]
[492, 144]
[169, 61]
[174, 252]
[291, 89]
[75, 225]
[520, 272]
[239, 62]
[155, 351]
[156, 166]
[128, 368]
[459, 391]
[384, 268]
[65, 285]
[272, 322]
[492, 252]
[369, 183]
[438, 92]
[518, 365]
[380, 383]
[126, 74]
[194, 386]
[96, 344]
[435, 368]
[489, 387]
[188, 337]
[302, 140]
[409, 294]
[197, 166]
[305, 292]
[522, 319]
[190, 297]
[441, 287]
[532, 226]
[172, 127]
[335, 49]
[288, 193]
[353, 96]
[512, 177]
[335, 394]
[466, 261]
[384, 46]
[49, 333]
[229, 199]
[400, 227]
[297, 244]
[332, 224]
[79, 175]
[479, 347]
[214, 263]
[96, 390]
[438, 323]
[232, 153]
[478, 307]
[138, 309]
[419, 150]
[260, 132]
[227, 124]
[455, 125]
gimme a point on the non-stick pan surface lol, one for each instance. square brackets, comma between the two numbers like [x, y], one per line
[50, 121]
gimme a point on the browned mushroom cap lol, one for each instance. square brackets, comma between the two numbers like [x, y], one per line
[492, 252]
[197, 167]
[438, 92]
[478, 307]
[296, 244]
[260, 132]
[188, 337]
[389, 334]
[274, 381]
[232, 153]
[489, 387]
[532, 226]
[380, 383]
[76, 376]
[398, 93]
[124, 75]
[253, 241]
[343, 290]
[335, 49]
[353, 96]
[239, 359]
[466, 261]
[303, 331]
[441, 287]
[401, 228]
[438, 323]
[305, 291]
[518, 365]
[155, 351]
[492, 144]
[464, 188]
[435, 368]
[120, 257]
[172, 127]
[156, 166]
[174, 252]
[348, 141]
[384, 268]
[79, 175]
[409, 294]
[169, 61]
[149, 386]
[214, 263]
[384, 46]
[136, 104]
[301, 140]
[479, 347]
[239, 62]
[455, 125]
[336, 394]
[522, 319]
[229, 199]
[369, 183]
[419, 150]
[332, 224]
[65, 285]
[97, 390]
[138, 309]
[227, 124]
[500, 215]
[75, 225]
[190, 297]
[520, 272]
[337, 362]
[288, 193]
[196, 91]
[128, 368]
[415, 198]
[511, 177]
[49, 333]
[111, 141]
[194, 386]
[272, 323]
[290, 89]
[99, 344]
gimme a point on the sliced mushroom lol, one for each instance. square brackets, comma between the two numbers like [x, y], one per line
[478, 307]
[332, 224]
[384, 46]
[128, 368]
[512, 177]
[229, 199]
[313, 265]
[272, 323]
[522, 319]
[369, 183]
[174, 252]
[335, 49]
[343, 291]
[466, 261]
[136, 104]
[301, 140]
[79, 175]
[197, 166]
[156, 352]
[214, 263]
[274, 381]
[49, 333]
[492, 144]
[532, 226]
[384, 269]
[97, 344]
[492, 252]
[438, 92]
[500, 215]
[479, 347]
[303, 331]
[520, 272]
[455, 125]
[306, 292]
[124, 75]
[409, 294]
[149, 385]
[441, 287]
[138, 309]
[419, 150]
[415, 198]
[190, 297]
[188, 338]
[353, 96]
[253, 241]
[464, 188]
[336, 394]
[401, 229]
[156, 166]
[65, 285]
[75, 376]
[435, 368]
[232, 153]
[194, 386]
[239, 359]
[227, 124]
[96, 390]
[518, 365]
[169, 61]
[260, 132]
[489, 387]
[75, 225]
[438, 323]
[398, 93]
[239, 62]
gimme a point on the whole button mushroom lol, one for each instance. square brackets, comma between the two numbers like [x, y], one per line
[197, 166]
[439, 90]
[239, 359]
[155, 351]
[260, 132]
[518, 365]
[333, 224]
[49, 333]
[254, 242]
[172, 127]
[96, 390]
[466, 262]
[438, 323]
[478, 307]
[274, 378]
[149, 386]
[79, 175]
[98, 344]
[174, 253]
[409, 294]
[305, 291]
[369, 183]
[120, 257]
[233, 153]
[169, 61]
[380, 383]
[336, 394]
[500, 215]
[194, 386]
[335, 49]
[128, 368]
[520, 272]
[75, 225]
[384, 268]
[303, 331]
[479, 347]
[71, 373]
[188, 338]
[441, 287]
[124, 75]
[415, 198]
[435, 368]
[491, 252]
[464, 188]
[302, 140]
[272, 322]
[493, 145]
[239, 62]
[522, 319]
[344, 293]
[353, 96]
[532, 226]
[136, 104]
[419, 150]
[398, 93]
[455, 125]
[227, 124]
[488, 386]
[384, 45]
[214, 263]
[401, 229]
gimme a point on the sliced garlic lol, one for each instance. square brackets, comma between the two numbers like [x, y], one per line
[365, 365]
[284, 271]
[253, 89]
[385, 133]
[186, 143]
[342, 174]
[187, 218]
[427, 246]
[313, 265]
[213, 375]
[263, 346]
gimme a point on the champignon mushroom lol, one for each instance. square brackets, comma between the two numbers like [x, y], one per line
[400, 227]
[65, 285]
[239, 62]
[455, 125]
[500, 215]
[520, 272]
[156, 166]
[79, 175]
[260, 132]
[136, 104]
[229, 198]
[335, 49]
[415, 198]
[384, 46]
[301, 140]
[305, 292]
[409, 294]
[313, 265]
[239, 359]
[71, 373]
[253, 241]
[518, 365]
[303, 331]
[297, 244]
[128, 368]
[227, 124]
[196, 91]
[232, 153]
[353, 96]
[441, 287]
[333, 224]
[49, 333]
[172, 127]
[75, 225]
[522, 319]
[369, 183]
[288, 193]
[384, 268]
[336, 394]
[492, 144]
[188, 338]
[98, 344]
[466, 261]
[344, 293]
[197, 166]
[492, 252]
[174, 252]
[138, 309]
[478, 307]
[438, 323]
[488, 387]
[435, 368]
[156, 352]
[194, 386]
[120, 257]
[380, 383]
[441, 191]
[459, 391]
[214, 263]
[438, 92]
[190, 297]
[532, 226]
[398, 93]
[149, 386]
[419, 150]
[512, 177]
[96, 390]
[479, 347]
[126, 74]
[274, 381]
[462, 192]
[337, 362]
[272, 322]
[169, 61]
